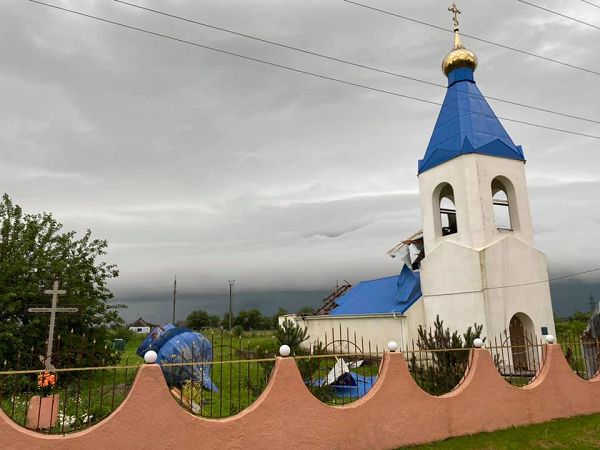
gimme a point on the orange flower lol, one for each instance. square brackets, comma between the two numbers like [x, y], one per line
[46, 379]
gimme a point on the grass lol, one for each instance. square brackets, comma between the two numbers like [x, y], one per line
[239, 383]
[129, 357]
[86, 397]
[581, 432]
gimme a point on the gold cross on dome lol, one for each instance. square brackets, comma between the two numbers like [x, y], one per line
[454, 9]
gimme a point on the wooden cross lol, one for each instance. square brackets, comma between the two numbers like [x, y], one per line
[55, 292]
[454, 9]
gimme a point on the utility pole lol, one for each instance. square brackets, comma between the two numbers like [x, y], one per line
[174, 297]
[592, 302]
[231, 283]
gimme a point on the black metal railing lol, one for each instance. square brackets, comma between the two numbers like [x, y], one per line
[84, 382]
[341, 369]
[438, 371]
[63, 400]
[227, 382]
[582, 352]
[519, 358]
[338, 371]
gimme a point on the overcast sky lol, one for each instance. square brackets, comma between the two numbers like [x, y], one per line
[216, 168]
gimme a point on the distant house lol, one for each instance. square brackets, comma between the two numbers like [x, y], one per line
[141, 326]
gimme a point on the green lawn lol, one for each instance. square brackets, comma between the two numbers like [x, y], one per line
[239, 383]
[129, 357]
[577, 433]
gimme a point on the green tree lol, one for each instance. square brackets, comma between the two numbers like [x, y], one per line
[34, 251]
[121, 332]
[275, 319]
[225, 321]
[291, 334]
[440, 365]
[250, 320]
[306, 310]
[570, 328]
[200, 319]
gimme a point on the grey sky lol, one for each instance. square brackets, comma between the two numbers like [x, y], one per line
[212, 167]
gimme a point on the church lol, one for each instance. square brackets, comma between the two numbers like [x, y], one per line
[475, 259]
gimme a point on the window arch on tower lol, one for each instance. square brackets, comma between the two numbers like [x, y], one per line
[447, 210]
[504, 204]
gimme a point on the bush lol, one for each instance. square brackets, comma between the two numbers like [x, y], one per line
[291, 334]
[441, 371]
[121, 333]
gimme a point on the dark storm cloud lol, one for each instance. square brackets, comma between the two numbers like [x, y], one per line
[212, 167]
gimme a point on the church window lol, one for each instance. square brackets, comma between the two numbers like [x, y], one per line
[501, 205]
[447, 211]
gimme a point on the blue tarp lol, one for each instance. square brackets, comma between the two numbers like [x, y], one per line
[393, 294]
[467, 124]
[176, 345]
[350, 385]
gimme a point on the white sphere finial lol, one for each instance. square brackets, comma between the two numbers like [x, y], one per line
[478, 343]
[392, 346]
[550, 339]
[150, 357]
[285, 350]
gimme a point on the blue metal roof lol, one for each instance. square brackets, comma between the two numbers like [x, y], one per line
[393, 294]
[467, 124]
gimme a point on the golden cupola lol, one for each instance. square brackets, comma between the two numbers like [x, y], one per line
[459, 56]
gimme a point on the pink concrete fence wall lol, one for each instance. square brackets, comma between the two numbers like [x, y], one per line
[394, 413]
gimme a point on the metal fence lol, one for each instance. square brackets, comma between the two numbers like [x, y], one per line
[438, 371]
[518, 359]
[341, 369]
[239, 370]
[338, 371]
[582, 353]
[64, 400]
[89, 382]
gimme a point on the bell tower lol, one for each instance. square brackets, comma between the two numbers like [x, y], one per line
[480, 262]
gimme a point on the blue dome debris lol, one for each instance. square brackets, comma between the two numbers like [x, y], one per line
[181, 345]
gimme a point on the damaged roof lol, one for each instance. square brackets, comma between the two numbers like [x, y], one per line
[394, 294]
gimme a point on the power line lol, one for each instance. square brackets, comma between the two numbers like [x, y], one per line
[507, 47]
[590, 3]
[551, 11]
[514, 285]
[343, 61]
[304, 72]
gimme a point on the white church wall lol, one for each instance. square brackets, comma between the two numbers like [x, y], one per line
[512, 262]
[451, 284]
[378, 329]
[415, 316]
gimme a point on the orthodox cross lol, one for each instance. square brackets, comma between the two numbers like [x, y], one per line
[454, 9]
[55, 292]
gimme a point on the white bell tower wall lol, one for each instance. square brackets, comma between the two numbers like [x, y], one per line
[487, 244]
